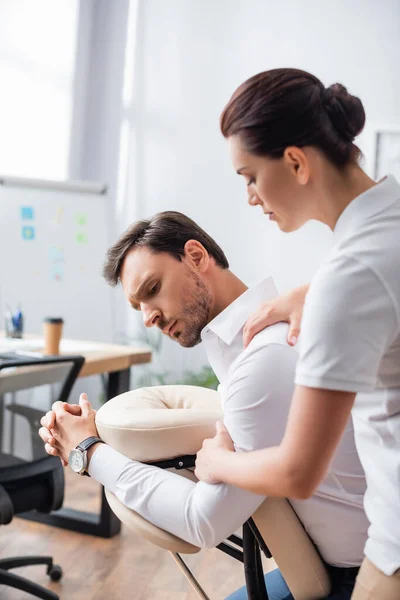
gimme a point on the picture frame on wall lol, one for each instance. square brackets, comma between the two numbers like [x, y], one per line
[387, 152]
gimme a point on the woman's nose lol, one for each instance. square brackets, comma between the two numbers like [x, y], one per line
[253, 199]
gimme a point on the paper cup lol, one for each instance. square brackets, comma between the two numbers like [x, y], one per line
[52, 332]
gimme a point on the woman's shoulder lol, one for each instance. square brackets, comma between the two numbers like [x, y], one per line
[362, 265]
[349, 289]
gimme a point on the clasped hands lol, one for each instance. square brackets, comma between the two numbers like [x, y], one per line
[66, 426]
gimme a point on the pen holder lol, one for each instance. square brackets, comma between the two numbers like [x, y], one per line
[13, 325]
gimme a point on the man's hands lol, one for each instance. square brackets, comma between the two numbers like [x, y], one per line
[208, 458]
[66, 425]
[287, 308]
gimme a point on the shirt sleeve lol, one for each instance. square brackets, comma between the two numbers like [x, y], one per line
[203, 514]
[349, 322]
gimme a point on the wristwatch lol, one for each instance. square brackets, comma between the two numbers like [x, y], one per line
[78, 456]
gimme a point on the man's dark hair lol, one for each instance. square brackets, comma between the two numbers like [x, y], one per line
[165, 232]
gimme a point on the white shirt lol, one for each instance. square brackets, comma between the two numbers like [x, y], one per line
[257, 387]
[351, 342]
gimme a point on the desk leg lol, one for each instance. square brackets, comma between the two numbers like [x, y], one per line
[1, 423]
[105, 524]
[118, 383]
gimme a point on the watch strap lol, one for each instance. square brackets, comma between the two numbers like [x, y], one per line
[88, 442]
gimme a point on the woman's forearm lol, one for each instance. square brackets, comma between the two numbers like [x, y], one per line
[264, 472]
[294, 469]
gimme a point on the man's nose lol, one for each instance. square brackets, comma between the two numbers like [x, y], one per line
[151, 316]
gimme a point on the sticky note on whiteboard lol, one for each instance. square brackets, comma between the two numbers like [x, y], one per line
[56, 254]
[28, 232]
[27, 213]
[81, 237]
[81, 219]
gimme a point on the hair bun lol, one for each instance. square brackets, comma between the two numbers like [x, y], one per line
[345, 111]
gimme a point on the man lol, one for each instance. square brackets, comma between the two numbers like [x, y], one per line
[179, 278]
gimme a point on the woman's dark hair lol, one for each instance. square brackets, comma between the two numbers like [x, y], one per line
[165, 232]
[288, 107]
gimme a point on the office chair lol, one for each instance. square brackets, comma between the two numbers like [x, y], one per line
[37, 485]
[165, 426]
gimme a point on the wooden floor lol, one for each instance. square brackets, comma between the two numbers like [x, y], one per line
[125, 567]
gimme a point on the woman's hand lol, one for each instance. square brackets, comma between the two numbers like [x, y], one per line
[287, 308]
[213, 450]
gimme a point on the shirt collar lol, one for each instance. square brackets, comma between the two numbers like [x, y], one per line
[366, 205]
[230, 321]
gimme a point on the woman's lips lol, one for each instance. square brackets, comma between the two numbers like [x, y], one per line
[270, 214]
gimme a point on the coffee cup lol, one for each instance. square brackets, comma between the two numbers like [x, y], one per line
[52, 332]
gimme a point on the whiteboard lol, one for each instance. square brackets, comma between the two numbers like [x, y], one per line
[53, 241]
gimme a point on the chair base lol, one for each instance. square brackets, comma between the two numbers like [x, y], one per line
[20, 583]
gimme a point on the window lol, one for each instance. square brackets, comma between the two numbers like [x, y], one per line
[37, 60]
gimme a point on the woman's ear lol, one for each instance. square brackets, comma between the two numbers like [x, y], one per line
[297, 162]
[197, 255]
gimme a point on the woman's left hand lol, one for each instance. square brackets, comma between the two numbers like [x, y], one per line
[287, 308]
[210, 457]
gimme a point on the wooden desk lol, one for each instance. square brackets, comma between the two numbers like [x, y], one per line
[112, 359]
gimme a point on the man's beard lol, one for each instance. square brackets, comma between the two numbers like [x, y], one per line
[196, 313]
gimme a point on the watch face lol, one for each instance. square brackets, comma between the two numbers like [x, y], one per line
[75, 460]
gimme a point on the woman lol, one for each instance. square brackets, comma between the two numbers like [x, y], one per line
[292, 141]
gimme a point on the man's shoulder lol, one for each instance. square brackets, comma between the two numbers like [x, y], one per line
[275, 334]
[268, 344]
[265, 368]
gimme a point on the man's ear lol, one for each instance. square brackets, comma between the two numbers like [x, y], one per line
[297, 162]
[197, 255]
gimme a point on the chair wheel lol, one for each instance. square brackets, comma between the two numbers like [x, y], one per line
[55, 572]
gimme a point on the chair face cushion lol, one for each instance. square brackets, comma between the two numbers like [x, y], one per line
[159, 422]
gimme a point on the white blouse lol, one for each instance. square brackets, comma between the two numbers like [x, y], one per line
[351, 342]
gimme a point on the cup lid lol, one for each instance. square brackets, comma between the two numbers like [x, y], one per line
[53, 320]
